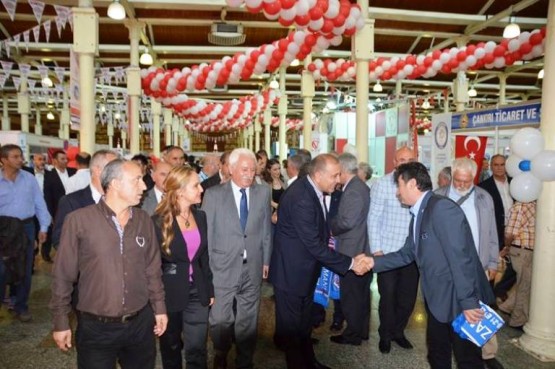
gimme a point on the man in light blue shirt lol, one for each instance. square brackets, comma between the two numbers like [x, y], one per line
[21, 197]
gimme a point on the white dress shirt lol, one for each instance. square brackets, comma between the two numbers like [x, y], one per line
[63, 177]
[503, 188]
[78, 181]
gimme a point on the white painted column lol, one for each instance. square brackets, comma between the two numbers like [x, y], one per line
[134, 85]
[502, 89]
[156, 112]
[267, 123]
[250, 135]
[6, 124]
[245, 138]
[282, 111]
[23, 105]
[38, 125]
[363, 51]
[168, 121]
[175, 130]
[257, 130]
[85, 44]
[308, 93]
[123, 138]
[110, 132]
[65, 123]
[539, 332]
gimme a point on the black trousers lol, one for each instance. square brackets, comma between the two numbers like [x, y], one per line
[398, 289]
[442, 339]
[132, 344]
[192, 325]
[294, 324]
[355, 303]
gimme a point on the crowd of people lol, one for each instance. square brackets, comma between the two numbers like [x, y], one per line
[175, 251]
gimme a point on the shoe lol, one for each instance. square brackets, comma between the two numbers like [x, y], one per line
[385, 346]
[336, 326]
[318, 365]
[220, 362]
[493, 364]
[343, 341]
[24, 317]
[403, 342]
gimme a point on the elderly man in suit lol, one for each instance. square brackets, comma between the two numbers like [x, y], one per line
[452, 277]
[477, 206]
[221, 176]
[239, 244]
[300, 251]
[154, 195]
[350, 230]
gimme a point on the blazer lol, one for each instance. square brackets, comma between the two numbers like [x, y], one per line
[301, 242]
[488, 249]
[54, 189]
[210, 182]
[452, 277]
[68, 203]
[226, 239]
[150, 202]
[490, 186]
[349, 225]
[175, 267]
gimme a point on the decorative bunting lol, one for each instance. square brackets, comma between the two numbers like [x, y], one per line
[38, 9]
[24, 69]
[60, 71]
[36, 33]
[10, 7]
[26, 39]
[120, 74]
[43, 71]
[47, 26]
[59, 25]
[7, 47]
[3, 79]
[16, 39]
[63, 13]
[6, 67]
[16, 82]
[32, 83]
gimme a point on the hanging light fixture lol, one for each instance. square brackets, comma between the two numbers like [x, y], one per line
[512, 29]
[472, 92]
[274, 84]
[295, 63]
[146, 58]
[50, 116]
[426, 104]
[377, 87]
[116, 10]
[540, 74]
[47, 82]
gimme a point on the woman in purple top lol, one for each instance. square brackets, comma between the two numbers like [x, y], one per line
[181, 231]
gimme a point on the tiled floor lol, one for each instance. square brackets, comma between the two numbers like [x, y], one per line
[29, 345]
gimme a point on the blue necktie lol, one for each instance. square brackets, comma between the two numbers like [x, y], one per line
[243, 209]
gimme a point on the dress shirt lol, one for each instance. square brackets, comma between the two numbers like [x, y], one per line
[469, 209]
[111, 281]
[414, 210]
[320, 195]
[40, 179]
[23, 199]
[159, 194]
[503, 188]
[388, 219]
[203, 177]
[78, 181]
[291, 180]
[63, 177]
[237, 196]
[95, 194]
[522, 224]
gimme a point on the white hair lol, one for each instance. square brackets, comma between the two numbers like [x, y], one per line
[237, 153]
[464, 165]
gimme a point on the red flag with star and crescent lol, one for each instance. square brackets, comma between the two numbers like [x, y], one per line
[472, 147]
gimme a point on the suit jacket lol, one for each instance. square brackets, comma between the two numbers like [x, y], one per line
[54, 189]
[349, 225]
[226, 239]
[488, 249]
[68, 203]
[490, 186]
[210, 182]
[301, 242]
[452, 277]
[175, 267]
[150, 202]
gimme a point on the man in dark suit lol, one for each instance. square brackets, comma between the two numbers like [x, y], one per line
[87, 196]
[153, 197]
[452, 277]
[349, 228]
[54, 188]
[221, 176]
[300, 250]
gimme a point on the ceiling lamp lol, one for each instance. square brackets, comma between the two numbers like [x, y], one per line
[146, 58]
[295, 63]
[540, 74]
[274, 84]
[472, 92]
[116, 10]
[426, 105]
[377, 87]
[117, 116]
[46, 82]
[50, 116]
[512, 29]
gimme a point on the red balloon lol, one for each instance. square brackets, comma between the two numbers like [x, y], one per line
[499, 51]
[428, 61]
[345, 9]
[254, 55]
[282, 45]
[328, 26]
[339, 20]
[302, 20]
[461, 56]
[316, 13]
[436, 54]
[350, 31]
[310, 40]
[535, 38]
[400, 64]
[525, 48]
[286, 23]
[421, 70]
[385, 76]
[163, 84]
[272, 8]
[323, 4]
[470, 49]
[445, 69]
[277, 55]
[304, 49]
[287, 4]
[453, 63]
[488, 58]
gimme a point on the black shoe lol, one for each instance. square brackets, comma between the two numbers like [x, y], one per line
[343, 341]
[220, 362]
[318, 365]
[336, 326]
[385, 346]
[493, 364]
[403, 342]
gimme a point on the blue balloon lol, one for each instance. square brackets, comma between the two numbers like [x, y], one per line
[524, 165]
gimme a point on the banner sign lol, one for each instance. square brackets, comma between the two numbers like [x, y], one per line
[514, 115]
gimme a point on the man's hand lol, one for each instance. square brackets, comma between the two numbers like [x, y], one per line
[42, 237]
[378, 253]
[161, 324]
[265, 271]
[362, 264]
[62, 339]
[491, 274]
[473, 316]
[274, 217]
[212, 300]
[504, 251]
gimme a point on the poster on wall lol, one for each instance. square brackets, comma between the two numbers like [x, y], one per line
[441, 143]
[74, 99]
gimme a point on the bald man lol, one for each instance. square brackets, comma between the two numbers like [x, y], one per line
[154, 195]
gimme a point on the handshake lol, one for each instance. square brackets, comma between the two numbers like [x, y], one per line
[362, 264]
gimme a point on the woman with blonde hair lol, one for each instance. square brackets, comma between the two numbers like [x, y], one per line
[181, 231]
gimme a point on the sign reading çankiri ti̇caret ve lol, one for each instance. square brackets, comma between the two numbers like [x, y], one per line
[521, 114]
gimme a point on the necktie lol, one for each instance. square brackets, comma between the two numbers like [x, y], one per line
[243, 209]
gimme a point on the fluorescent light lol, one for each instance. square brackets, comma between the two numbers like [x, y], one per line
[50, 116]
[146, 58]
[540, 74]
[512, 30]
[377, 87]
[274, 84]
[472, 92]
[116, 10]
[117, 116]
[47, 82]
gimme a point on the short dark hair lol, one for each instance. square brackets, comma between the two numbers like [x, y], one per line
[306, 158]
[6, 149]
[261, 152]
[58, 152]
[140, 158]
[414, 170]
[225, 157]
[112, 170]
[83, 158]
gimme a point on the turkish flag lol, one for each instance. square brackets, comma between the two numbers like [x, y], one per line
[472, 147]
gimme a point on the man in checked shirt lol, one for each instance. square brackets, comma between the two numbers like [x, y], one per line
[110, 250]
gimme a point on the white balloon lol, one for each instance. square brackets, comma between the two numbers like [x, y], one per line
[336, 40]
[479, 53]
[511, 166]
[316, 25]
[543, 165]
[471, 60]
[490, 46]
[513, 45]
[271, 16]
[234, 3]
[301, 7]
[444, 58]
[288, 14]
[333, 10]
[499, 62]
[525, 187]
[253, 3]
[527, 143]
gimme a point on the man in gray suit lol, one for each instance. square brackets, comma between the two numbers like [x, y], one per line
[350, 230]
[154, 195]
[477, 206]
[239, 244]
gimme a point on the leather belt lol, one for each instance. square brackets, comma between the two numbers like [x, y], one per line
[520, 247]
[109, 319]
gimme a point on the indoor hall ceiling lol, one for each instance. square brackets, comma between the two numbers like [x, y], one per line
[176, 31]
